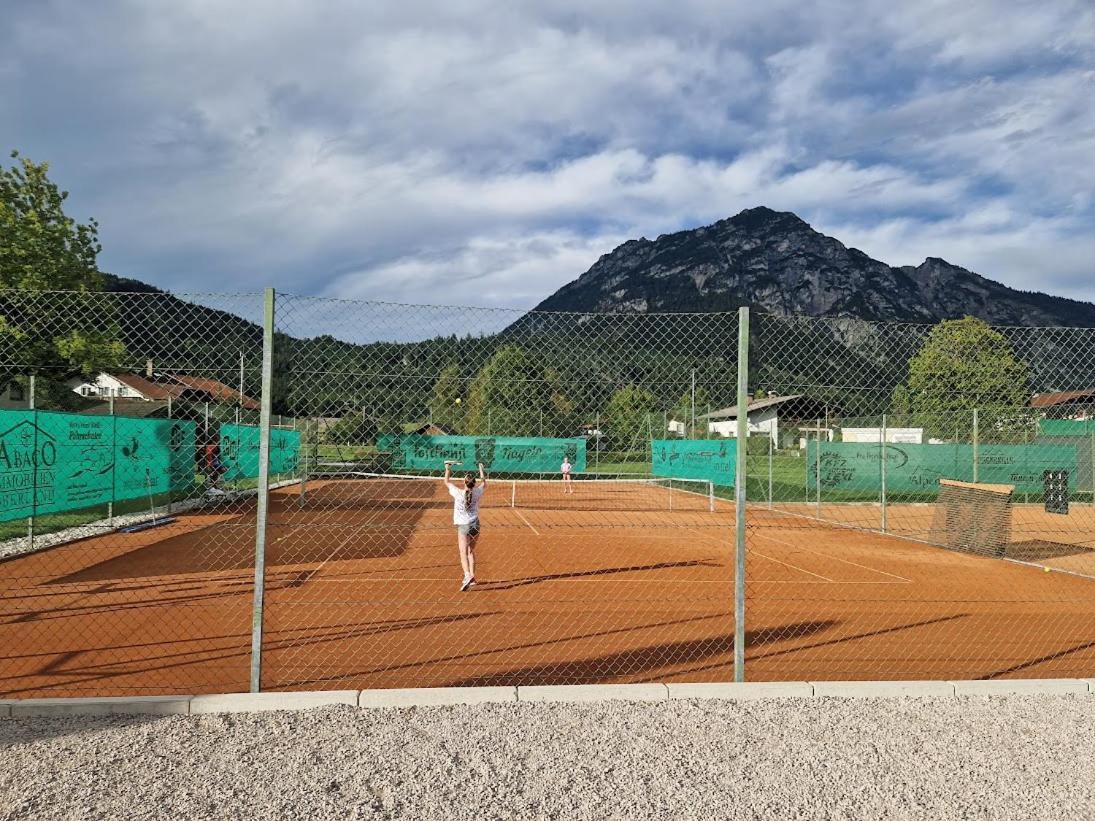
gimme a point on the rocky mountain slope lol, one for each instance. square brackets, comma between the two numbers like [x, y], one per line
[775, 262]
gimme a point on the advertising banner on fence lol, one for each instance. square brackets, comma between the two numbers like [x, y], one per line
[918, 468]
[240, 451]
[712, 459]
[57, 462]
[152, 456]
[501, 454]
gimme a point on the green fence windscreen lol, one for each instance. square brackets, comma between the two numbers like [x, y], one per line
[850, 466]
[58, 462]
[712, 459]
[240, 451]
[502, 454]
[1067, 427]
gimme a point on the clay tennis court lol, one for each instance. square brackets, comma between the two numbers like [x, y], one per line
[613, 584]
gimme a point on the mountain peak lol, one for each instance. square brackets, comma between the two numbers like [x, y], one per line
[776, 262]
[762, 217]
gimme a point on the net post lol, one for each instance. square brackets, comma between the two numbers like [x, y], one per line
[263, 489]
[710, 496]
[976, 443]
[882, 469]
[513, 493]
[740, 495]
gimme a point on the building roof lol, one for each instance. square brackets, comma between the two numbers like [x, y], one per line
[128, 407]
[218, 390]
[754, 405]
[148, 388]
[1048, 400]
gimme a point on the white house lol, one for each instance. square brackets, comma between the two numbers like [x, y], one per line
[164, 388]
[125, 386]
[764, 416]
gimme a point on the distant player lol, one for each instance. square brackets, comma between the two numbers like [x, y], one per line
[568, 482]
[212, 465]
[465, 515]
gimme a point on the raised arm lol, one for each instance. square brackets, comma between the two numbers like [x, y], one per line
[448, 476]
[482, 475]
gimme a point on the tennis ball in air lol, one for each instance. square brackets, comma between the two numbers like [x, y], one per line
[458, 400]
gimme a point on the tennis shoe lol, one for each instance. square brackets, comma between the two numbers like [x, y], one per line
[468, 582]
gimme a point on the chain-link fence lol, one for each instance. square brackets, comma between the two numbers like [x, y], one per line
[208, 493]
[927, 511]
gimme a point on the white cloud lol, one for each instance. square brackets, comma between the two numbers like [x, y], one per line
[427, 151]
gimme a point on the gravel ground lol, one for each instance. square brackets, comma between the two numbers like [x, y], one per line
[1001, 757]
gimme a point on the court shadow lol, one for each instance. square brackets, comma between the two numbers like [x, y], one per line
[229, 546]
[643, 662]
[510, 584]
[1036, 550]
[1026, 665]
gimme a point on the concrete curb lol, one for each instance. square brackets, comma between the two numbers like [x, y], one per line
[436, 696]
[1010, 687]
[587, 693]
[884, 689]
[261, 702]
[106, 706]
[594, 692]
[742, 691]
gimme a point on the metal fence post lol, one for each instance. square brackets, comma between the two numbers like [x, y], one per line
[740, 494]
[113, 465]
[771, 449]
[34, 472]
[817, 471]
[882, 469]
[597, 443]
[263, 488]
[692, 423]
[170, 490]
[976, 438]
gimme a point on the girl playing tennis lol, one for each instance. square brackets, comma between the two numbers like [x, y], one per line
[465, 515]
[568, 483]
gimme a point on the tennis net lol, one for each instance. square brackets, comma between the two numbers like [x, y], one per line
[377, 491]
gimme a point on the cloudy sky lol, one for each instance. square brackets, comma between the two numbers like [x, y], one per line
[471, 152]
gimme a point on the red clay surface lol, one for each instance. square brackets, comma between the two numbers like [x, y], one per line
[602, 586]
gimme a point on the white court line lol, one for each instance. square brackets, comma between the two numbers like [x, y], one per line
[389, 579]
[526, 521]
[778, 561]
[834, 558]
[794, 567]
